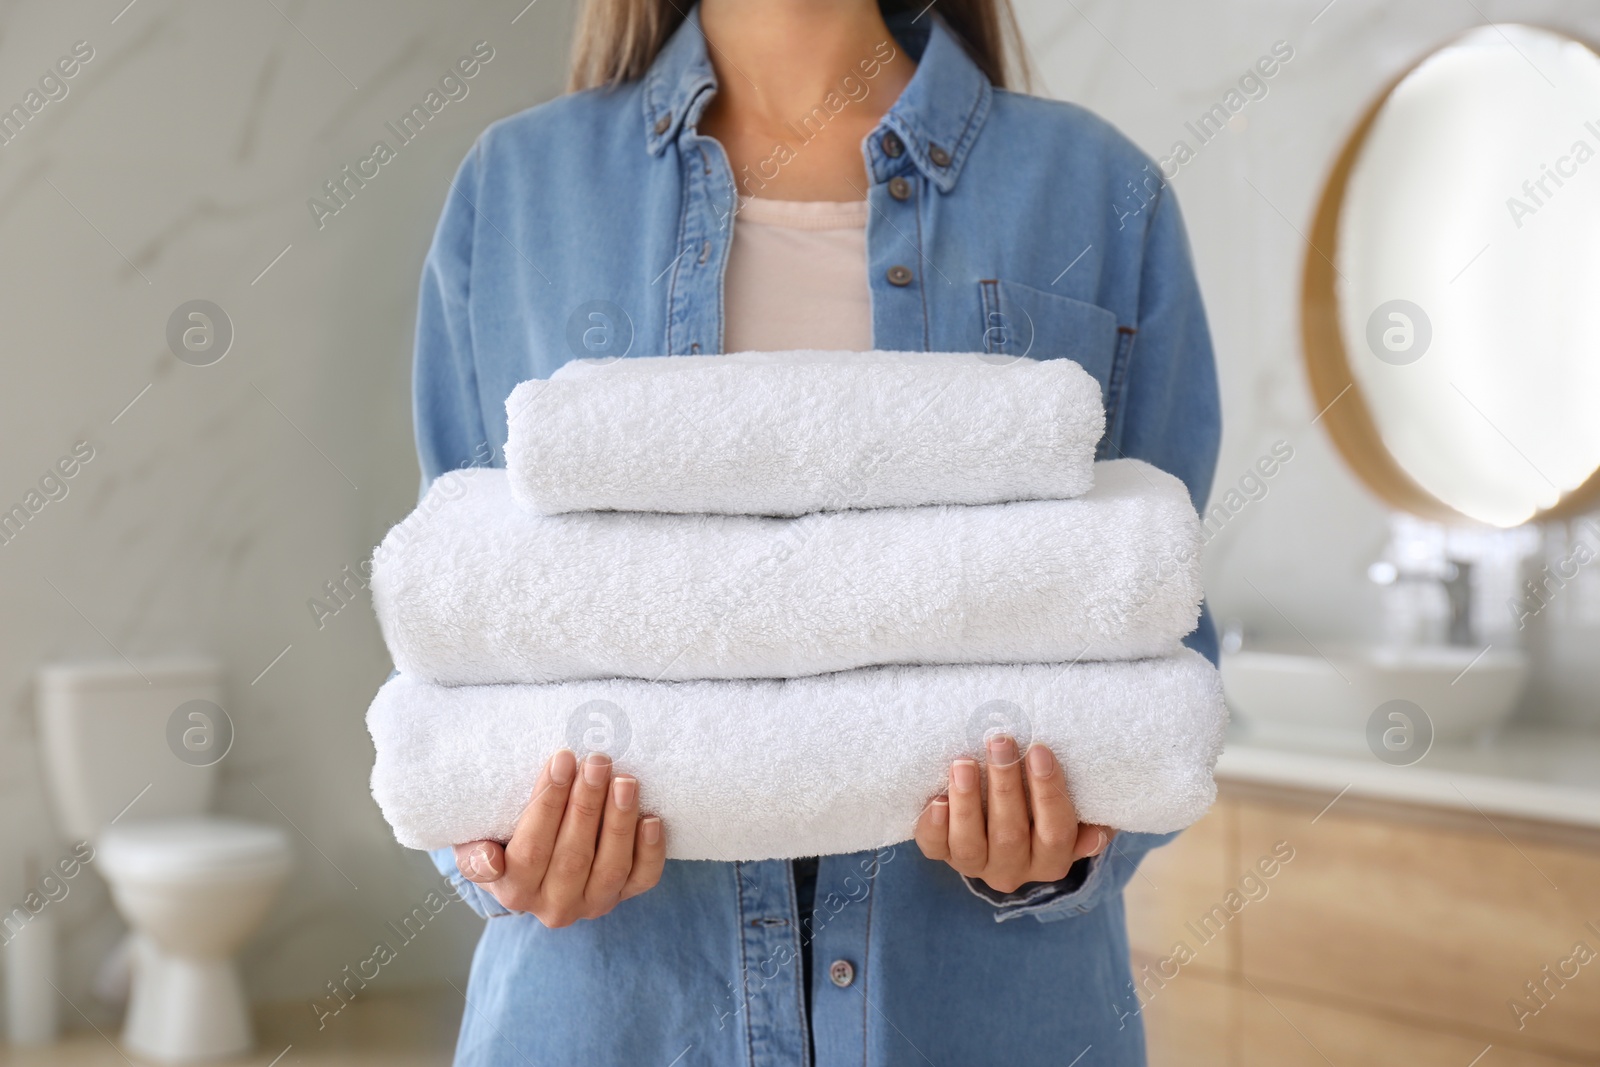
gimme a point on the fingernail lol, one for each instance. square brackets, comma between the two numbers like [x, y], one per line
[480, 863]
[1002, 750]
[651, 829]
[596, 769]
[624, 791]
[964, 775]
[561, 767]
[1101, 844]
[940, 812]
[1040, 761]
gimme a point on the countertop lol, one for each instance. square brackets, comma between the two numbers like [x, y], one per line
[1541, 774]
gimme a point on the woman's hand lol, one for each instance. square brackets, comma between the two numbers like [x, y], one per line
[579, 848]
[1032, 833]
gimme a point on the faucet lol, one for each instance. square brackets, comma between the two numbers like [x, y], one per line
[1458, 587]
[1454, 577]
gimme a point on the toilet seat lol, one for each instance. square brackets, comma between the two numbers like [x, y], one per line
[191, 848]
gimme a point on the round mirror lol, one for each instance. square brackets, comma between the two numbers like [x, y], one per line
[1450, 302]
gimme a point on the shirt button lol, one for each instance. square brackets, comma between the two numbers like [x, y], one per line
[899, 275]
[662, 123]
[940, 157]
[892, 145]
[841, 973]
[899, 188]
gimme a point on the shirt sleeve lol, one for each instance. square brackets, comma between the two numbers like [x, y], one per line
[1090, 882]
[444, 381]
[1170, 417]
[1171, 413]
[444, 398]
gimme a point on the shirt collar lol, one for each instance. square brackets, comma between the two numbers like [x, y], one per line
[937, 117]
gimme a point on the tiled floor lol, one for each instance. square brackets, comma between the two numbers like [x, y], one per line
[399, 1030]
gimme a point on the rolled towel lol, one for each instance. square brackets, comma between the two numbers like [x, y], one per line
[471, 589]
[792, 433]
[752, 770]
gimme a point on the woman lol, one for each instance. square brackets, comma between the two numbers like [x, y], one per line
[807, 174]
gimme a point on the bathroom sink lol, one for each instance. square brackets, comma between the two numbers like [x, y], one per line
[1330, 693]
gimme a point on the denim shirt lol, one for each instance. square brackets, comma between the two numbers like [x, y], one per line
[599, 224]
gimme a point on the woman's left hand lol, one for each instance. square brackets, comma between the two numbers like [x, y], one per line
[1031, 832]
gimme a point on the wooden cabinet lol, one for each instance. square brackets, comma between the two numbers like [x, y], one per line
[1275, 932]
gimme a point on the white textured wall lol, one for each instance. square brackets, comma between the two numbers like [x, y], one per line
[177, 167]
[1300, 554]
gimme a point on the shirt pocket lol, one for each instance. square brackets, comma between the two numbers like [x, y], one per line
[1019, 320]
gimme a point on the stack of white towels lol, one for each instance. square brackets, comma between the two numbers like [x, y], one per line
[785, 591]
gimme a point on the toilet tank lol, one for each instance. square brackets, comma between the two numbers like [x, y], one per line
[104, 729]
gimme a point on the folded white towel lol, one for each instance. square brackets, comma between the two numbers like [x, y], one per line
[796, 432]
[471, 589]
[749, 770]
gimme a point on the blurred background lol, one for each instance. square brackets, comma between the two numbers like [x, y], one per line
[220, 506]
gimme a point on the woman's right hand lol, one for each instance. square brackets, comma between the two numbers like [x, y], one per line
[579, 848]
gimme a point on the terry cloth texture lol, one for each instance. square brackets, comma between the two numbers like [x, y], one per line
[788, 433]
[757, 769]
[472, 589]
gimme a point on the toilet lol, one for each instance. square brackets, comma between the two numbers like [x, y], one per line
[192, 887]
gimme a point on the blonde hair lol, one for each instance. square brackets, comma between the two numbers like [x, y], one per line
[617, 40]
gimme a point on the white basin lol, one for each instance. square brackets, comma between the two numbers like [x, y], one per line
[1330, 694]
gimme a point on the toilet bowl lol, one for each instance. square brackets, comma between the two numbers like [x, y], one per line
[192, 887]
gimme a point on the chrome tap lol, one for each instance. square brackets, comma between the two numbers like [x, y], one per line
[1454, 577]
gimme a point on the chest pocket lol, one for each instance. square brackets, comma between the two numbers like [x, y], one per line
[1019, 320]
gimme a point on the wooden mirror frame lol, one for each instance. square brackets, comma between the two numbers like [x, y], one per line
[1348, 418]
